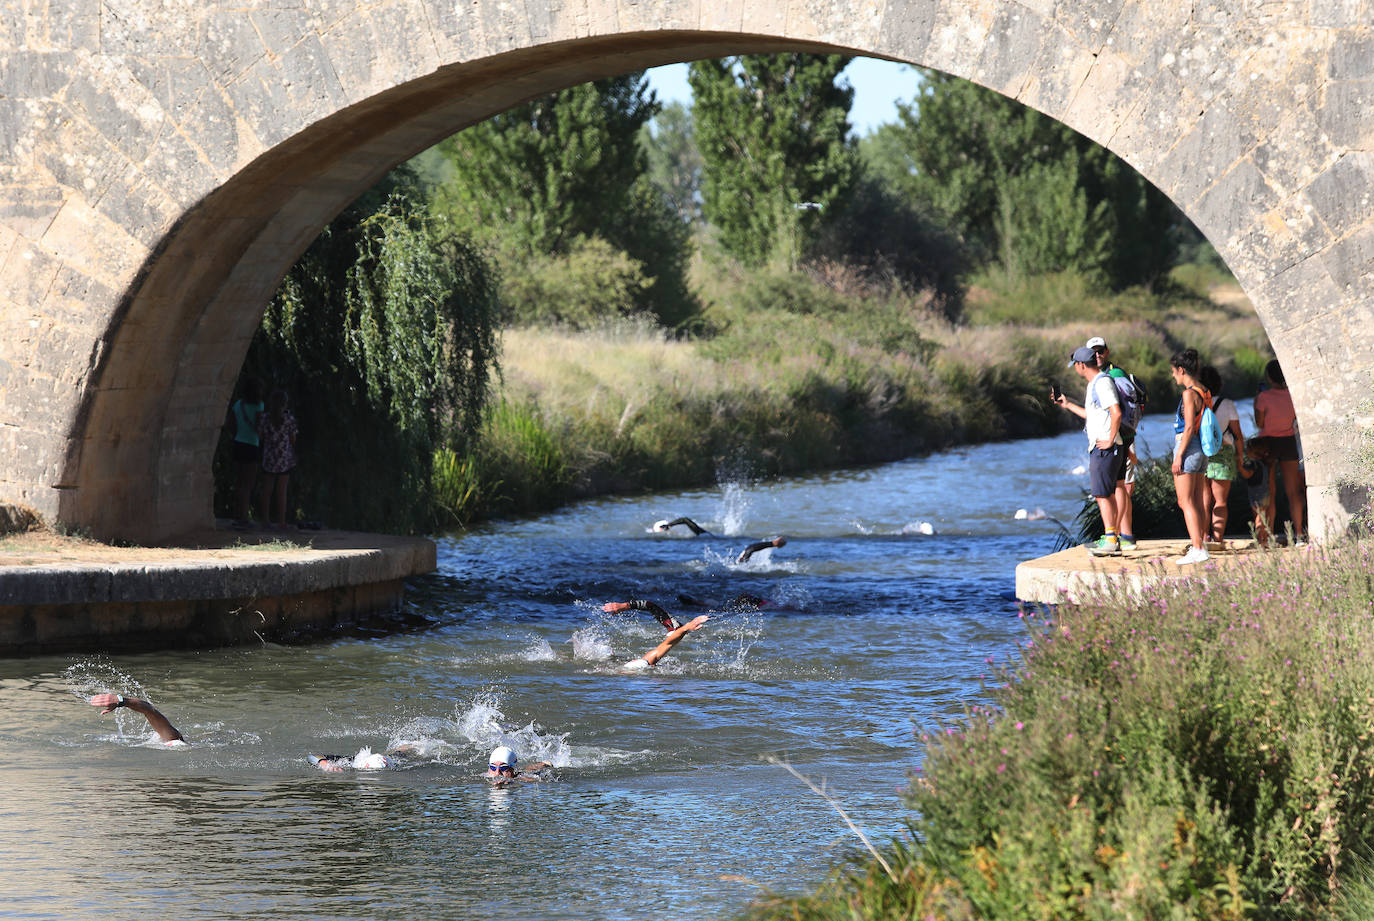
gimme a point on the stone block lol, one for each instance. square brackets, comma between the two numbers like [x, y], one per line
[229, 45]
[1340, 14]
[642, 16]
[261, 103]
[1351, 262]
[1011, 47]
[1344, 114]
[1212, 148]
[1343, 194]
[1294, 152]
[1090, 22]
[1292, 297]
[311, 81]
[959, 35]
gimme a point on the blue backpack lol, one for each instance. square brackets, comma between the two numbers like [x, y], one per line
[1210, 430]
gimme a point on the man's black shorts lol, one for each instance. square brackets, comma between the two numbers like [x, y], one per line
[1104, 469]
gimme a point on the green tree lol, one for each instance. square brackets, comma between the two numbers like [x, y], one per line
[383, 336]
[998, 171]
[675, 164]
[537, 180]
[773, 132]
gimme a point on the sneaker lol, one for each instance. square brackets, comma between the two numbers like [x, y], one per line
[1105, 546]
[1194, 555]
[1127, 543]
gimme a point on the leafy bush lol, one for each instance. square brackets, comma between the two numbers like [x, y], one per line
[1198, 751]
[590, 284]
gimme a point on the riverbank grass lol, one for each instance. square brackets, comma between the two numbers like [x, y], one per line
[1203, 751]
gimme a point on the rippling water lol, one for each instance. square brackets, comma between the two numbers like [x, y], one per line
[661, 803]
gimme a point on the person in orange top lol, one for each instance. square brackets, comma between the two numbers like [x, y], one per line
[1277, 420]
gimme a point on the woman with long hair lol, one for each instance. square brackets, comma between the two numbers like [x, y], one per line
[1190, 462]
[1277, 420]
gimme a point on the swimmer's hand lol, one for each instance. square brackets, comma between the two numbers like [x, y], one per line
[110, 702]
[613, 607]
[696, 623]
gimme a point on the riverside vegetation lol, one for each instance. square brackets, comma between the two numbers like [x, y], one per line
[803, 371]
[1203, 751]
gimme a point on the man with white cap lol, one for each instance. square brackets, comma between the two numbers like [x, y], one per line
[1101, 413]
[1125, 488]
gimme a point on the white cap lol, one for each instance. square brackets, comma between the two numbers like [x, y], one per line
[502, 755]
[371, 761]
[1095, 342]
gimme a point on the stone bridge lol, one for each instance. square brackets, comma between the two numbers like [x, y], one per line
[163, 162]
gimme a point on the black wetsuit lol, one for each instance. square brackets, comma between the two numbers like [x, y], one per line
[695, 528]
[753, 548]
[663, 617]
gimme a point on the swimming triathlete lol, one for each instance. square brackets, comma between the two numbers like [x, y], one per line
[168, 733]
[666, 525]
[755, 547]
[675, 636]
[502, 767]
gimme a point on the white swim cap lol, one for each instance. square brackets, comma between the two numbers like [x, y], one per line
[661, 524]
[502, 755]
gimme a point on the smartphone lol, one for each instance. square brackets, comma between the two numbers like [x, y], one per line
[1055, 393]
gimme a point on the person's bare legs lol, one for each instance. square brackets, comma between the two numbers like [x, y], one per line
[1295, 487]
[1216, 496]
[1188, 487]
[278, 506]
[1124, 512]
[1106, 505]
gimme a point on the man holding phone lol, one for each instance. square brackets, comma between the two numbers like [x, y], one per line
[1101, 414]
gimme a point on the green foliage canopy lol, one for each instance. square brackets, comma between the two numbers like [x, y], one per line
[773, 132]
[1027, 191]
[539, 179]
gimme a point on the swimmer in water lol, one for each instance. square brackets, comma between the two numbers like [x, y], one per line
[675, 636]
[503, 767]
[742, 602]
[755, 547]
[668, 621]
[666, 525]
[168, 733]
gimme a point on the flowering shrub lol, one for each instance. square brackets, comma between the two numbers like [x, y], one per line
[1205, 751]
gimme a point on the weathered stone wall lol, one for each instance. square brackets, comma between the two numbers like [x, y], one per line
[162, 162]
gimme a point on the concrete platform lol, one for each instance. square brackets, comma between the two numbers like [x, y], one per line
[219, 587]
[1069, 574]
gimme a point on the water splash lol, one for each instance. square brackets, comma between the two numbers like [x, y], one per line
[590, 644]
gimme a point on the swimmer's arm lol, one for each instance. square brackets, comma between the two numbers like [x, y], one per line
[755, 547]
[695, 528]
[672, 639]
[160, 724]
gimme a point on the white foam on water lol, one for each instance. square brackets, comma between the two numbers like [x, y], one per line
[590, 645]
[735, 502]
[540, 650]
[860, 527]
[918, 527]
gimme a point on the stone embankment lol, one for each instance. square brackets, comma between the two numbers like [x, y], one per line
[1072, 574]
[222, 587]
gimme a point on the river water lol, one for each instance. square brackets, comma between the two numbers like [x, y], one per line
[663, 802]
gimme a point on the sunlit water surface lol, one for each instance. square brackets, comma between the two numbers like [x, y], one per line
[662, 803]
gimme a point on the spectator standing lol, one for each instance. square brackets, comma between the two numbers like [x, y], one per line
[246, 450]
[1221, 467]
[1190, 461]
[1101, 414]
[277, 430]
[1277, 420]
[1125, 487]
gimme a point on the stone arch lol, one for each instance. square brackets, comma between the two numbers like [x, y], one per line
[168, 161]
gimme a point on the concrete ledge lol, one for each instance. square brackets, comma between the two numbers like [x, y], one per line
[1070, 575]
[221, 589]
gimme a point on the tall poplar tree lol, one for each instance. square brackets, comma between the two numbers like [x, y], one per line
[1029, 192]
[544, 177]
[773, 132]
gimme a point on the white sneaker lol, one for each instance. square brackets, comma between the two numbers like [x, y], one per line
[1194, 555]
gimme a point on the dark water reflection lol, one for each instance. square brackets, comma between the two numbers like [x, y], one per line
[662, 804]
